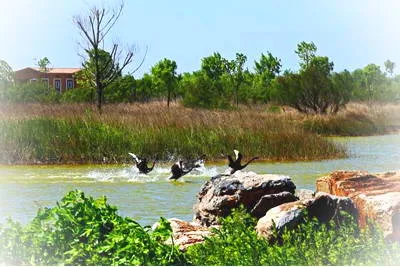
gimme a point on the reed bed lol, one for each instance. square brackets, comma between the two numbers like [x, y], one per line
[357, 119]
[78, 133]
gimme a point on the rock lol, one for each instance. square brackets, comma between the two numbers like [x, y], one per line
[324, 207]
[267, 202]
[221, 194]
[186, 234]
[304, 194]
[376, 196]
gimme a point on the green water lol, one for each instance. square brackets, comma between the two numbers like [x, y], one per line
[23, 189]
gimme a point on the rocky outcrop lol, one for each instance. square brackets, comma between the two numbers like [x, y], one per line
[376, 196]
[324, 207]
[267, 202]
[304, 194]
[257, 193]
[186, 234]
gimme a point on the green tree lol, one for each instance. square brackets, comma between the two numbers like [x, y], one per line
[87, 76]
[314, 89]
[343, 85]
[165, 77]
[306, 52]
[121, 90]
[215, 66]
[389, 66]
[144, 89]
[237, 73]
[373, 79]
[266, 69]
[213, 83]
[43, 63]
[95, 27]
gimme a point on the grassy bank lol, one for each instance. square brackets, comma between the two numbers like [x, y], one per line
[38, 133]
[81, 230]
[356, 120]
[47, 140]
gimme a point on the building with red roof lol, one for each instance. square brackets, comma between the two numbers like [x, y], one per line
[61, 79]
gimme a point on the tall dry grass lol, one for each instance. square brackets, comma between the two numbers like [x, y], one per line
[79, 133]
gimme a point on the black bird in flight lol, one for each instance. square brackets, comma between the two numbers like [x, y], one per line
[141, 164]
[236, 164]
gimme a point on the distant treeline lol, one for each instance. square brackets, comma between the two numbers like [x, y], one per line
[223, 83]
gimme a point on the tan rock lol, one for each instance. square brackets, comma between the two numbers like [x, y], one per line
[376, 196]
[186, 234]
[324, 207]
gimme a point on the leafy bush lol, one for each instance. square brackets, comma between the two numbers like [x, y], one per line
[79, 95]
[311, 243]
[29, 93]
[83, 231]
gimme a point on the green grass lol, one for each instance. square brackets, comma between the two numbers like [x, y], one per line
[77, 133]
[52, 140]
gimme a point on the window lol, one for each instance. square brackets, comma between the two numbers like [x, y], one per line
[70, 83]
[45, 81]
[57, 85]
[33, 80]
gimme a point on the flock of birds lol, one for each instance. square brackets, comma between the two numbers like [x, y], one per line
[181, 168]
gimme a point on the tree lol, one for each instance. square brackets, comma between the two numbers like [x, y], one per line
[43, 63]
[373, 78]
[165, 77]
[94, 28]
[268, 65]
[215, 66]
[6, 74]
[306, 52]
[267, 68]
[389, 66]
[343, 85]
[217, 72]
[144, 88]
[314, 89]
[121, 90]
[237, 73]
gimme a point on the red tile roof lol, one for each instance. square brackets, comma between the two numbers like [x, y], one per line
[60, 70]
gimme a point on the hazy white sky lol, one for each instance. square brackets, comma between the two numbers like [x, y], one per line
[351, 33]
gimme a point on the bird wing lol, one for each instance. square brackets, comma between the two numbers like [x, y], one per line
[135, 157]
[237, 153]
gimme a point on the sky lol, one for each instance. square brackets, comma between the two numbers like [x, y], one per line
[352, 33]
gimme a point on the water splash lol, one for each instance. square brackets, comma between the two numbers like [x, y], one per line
[131, 174]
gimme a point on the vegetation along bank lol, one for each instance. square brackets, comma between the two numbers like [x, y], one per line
[77, 133]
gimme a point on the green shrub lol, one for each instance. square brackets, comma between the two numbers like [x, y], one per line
[78, 95]
[81, 230]
[29, 93]
[311, 243]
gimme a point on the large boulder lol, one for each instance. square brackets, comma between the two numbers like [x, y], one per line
[186, 234]
[257, 193]
[304, 194]
[324, 207]
[376, 196]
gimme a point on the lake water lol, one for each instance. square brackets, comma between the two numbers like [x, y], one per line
[23, 189]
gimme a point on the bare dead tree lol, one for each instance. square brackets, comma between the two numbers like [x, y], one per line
[94, 28]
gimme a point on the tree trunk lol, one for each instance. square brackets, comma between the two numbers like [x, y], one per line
[169, 97]
[99, 98]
